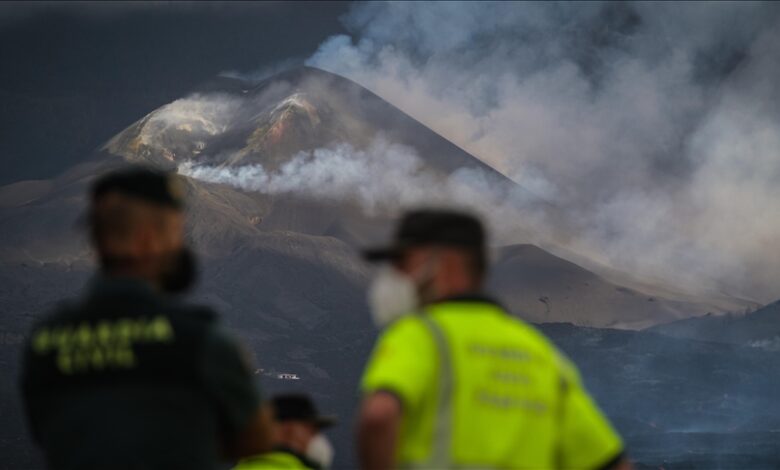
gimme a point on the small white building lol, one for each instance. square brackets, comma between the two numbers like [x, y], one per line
[286, 376]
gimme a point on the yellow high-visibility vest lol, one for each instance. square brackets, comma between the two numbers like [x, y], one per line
[483, 390]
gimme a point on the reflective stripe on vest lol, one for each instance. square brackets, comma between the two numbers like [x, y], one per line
[442, 436]
[441, 455]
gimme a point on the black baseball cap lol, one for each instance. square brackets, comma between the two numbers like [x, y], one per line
[432, 227]
[147, 184]
[299, 407]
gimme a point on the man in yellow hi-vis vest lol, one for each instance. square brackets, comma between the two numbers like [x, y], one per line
[456, 382]
[297, 437]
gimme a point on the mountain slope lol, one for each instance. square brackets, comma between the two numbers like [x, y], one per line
[546, 288]
[760, 329]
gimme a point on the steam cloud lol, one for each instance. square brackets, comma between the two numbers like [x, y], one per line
[655, 126]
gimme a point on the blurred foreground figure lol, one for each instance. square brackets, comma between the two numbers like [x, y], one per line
[128, 377]
[456, 382]
[297, 439]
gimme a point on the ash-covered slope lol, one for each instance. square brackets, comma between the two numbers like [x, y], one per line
[547, 288]
[759, 329]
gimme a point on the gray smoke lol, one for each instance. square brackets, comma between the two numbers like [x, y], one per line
[655, 126]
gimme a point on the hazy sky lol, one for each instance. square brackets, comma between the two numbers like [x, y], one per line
[72, 75]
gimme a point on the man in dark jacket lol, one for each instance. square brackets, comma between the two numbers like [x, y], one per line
[127, 376]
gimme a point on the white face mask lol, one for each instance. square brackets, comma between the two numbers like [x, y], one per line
[392, 295]
[320, 451]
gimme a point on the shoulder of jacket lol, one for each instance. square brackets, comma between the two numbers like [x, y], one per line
[193, 312]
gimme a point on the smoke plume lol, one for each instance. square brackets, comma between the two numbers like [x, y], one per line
[655, 126]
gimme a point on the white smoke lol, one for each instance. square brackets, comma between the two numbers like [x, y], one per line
[655, 126]
[385, 177]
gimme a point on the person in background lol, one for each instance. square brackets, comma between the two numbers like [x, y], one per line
[454, 380]
[297, 438]
[128, 376]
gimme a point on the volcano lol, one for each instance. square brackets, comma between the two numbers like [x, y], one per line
[228, 121]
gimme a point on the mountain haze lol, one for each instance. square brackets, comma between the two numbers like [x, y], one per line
[759, 328]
